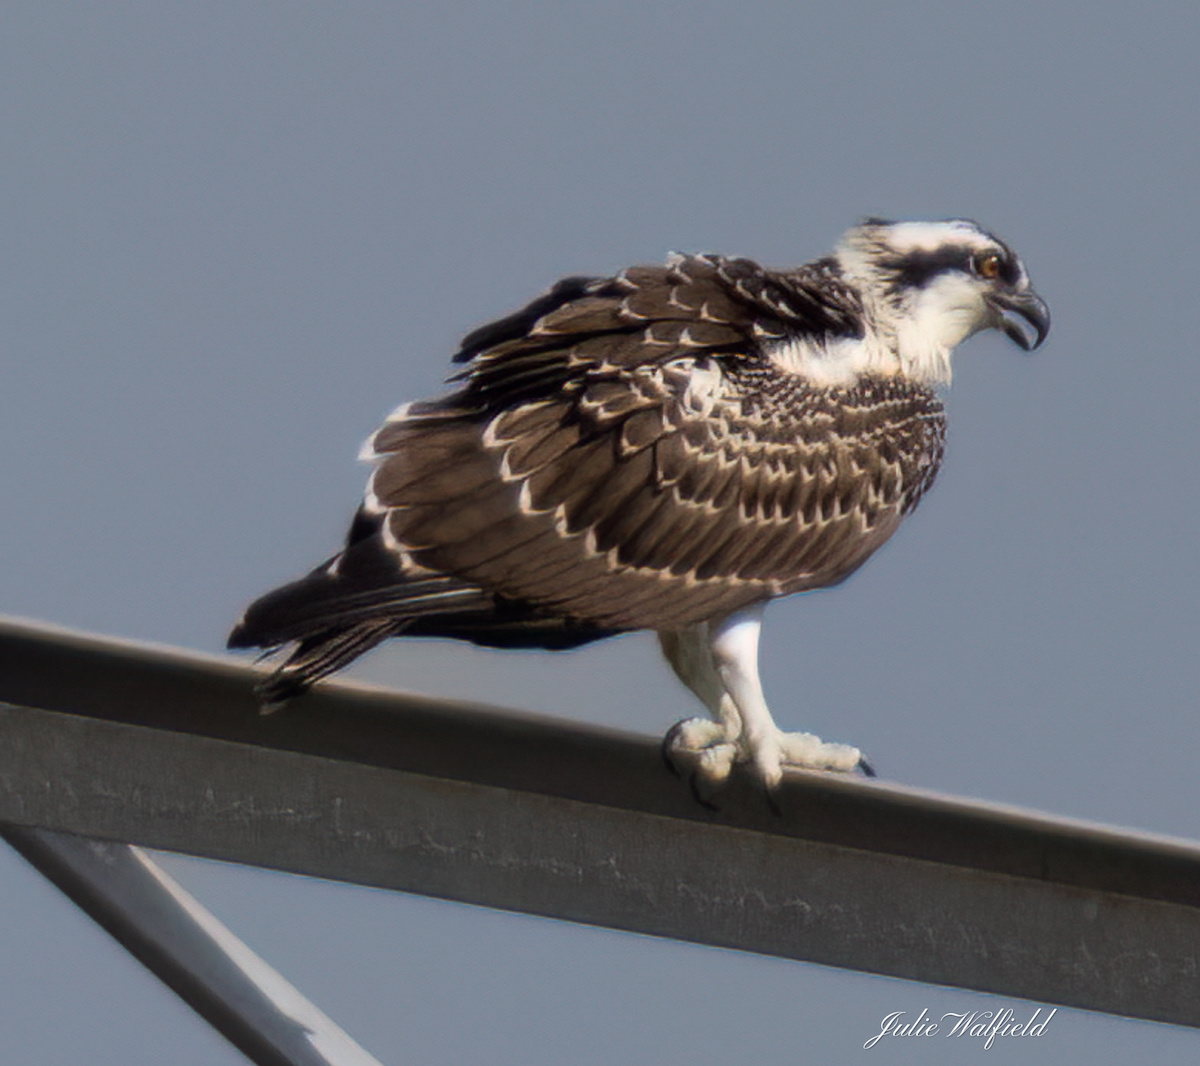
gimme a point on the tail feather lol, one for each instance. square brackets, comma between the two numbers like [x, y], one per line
[320, 602]
[367, 594]
[329, 620]
[318, 657]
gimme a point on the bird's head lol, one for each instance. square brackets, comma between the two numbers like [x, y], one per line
[928, 286]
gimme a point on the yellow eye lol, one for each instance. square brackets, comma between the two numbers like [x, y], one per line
[987, 265]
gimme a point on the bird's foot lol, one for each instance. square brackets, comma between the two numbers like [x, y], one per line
[805, 751]
[701, 751]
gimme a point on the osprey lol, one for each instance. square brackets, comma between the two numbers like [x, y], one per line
[666, 449]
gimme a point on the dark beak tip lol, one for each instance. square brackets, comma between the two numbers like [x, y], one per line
[1018, 333]
[1041, 330]
[1026, 322]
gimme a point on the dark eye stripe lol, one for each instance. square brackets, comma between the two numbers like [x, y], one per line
[916, 269]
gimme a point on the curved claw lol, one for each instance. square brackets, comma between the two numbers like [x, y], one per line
[692, 779]
[696, 751]
[773, 802]
[699, 796]
[864, 767]
[665, 748]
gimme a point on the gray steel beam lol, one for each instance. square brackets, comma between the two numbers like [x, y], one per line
[158, 922]
[165, 749]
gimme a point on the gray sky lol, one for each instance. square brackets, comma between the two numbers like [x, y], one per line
[233, 236]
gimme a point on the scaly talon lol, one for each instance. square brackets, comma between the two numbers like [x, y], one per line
[720, 664]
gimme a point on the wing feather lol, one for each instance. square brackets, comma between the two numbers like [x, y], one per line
[623, 454]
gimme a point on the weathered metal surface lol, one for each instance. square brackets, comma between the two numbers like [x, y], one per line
[166, 750]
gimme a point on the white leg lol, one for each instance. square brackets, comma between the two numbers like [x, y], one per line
[735, 654]
[734, 644]
[701, 748]
[719, 662]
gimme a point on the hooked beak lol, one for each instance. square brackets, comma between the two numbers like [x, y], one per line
[1017, 313]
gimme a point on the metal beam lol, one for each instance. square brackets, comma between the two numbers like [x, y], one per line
[167, 750]
[158, 922]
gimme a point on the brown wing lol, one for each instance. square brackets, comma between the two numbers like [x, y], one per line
[622, 454]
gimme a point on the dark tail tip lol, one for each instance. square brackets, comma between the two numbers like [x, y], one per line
[279, 688]
[241, 637]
